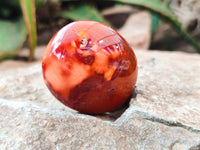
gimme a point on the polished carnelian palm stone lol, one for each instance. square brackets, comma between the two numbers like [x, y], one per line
[89, 67]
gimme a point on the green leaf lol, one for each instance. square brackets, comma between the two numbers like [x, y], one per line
[12, 36]
[155, 5]
[83, 12]
[154, 22]
[8, 56]
[158, 7]
[28, 10]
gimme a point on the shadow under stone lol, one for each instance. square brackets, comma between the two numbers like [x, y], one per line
[114, 115]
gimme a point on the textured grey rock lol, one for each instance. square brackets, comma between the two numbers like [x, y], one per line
[171, 85]
[164, 114]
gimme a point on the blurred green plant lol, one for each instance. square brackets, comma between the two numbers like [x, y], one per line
[14, 27]
[28, 9]
[154, 22]
[8, 48]
[12, 36]
[18, 19]
[158, 7]
[83, 12]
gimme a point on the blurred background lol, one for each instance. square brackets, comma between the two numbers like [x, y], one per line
[172, 25]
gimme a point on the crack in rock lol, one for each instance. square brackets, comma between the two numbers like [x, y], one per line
[170, 123]
[150, 117]
[196, 147]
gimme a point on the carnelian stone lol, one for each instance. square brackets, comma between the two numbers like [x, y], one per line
[89, 67]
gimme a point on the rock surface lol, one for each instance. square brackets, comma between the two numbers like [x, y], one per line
[165, 113]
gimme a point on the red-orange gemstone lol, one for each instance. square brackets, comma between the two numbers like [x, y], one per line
[89, 67]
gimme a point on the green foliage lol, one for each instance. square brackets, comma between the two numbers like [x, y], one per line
[18, 19]
[154, 22]
[155, 5]
[82, 12]
[28, 9]
[12, 29]
[12, 35]
[158, 7]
